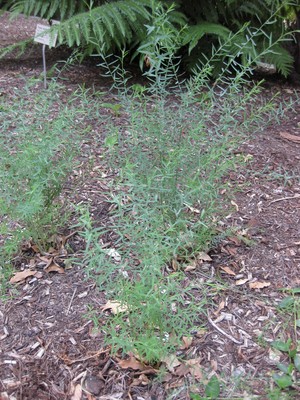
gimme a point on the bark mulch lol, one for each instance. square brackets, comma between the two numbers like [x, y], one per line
[51, 343]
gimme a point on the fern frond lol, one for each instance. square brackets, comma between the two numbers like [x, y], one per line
[110, 25]
[281, 58]
[47, 9]
[195, 32]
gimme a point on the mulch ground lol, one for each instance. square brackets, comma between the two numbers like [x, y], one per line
[49, 345]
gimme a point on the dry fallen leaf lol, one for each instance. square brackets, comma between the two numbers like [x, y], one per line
[53, 267]
[231, 250]
[20, 276]
[171, 362]
[291, 138]
[240, 282]
[221, 306]
[235, 240]
[53, 251]
[258, 285]
[228, 270]
[190, 268]
[35, 248]
[141, 380]
[187, 341]
[195, 368]
[182, 370]
[45, 259]
[132, 363]
[115, 306]
[135, 364]
[175, 265]
[203, 256]
[179, 383]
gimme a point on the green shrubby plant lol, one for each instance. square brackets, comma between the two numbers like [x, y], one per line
[172, 153]
[40, 133]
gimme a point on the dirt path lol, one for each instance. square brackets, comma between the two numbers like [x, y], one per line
[49, 348]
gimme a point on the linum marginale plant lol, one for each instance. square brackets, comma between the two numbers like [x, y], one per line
[172, 155]
[40, 134]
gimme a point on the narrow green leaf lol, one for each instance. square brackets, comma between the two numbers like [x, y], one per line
[297, 362]
[195, 396]
[291, 368]
[212, 389]
[286, 303]
[282, 346]
[292, 353]
[295, 290]
[283, 368]
[283, 381]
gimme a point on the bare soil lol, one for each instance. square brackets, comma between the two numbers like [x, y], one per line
[49, 347]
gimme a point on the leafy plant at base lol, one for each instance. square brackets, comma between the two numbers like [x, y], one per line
[212, 390]
[39, 138]
[290, 305]
[287, 378]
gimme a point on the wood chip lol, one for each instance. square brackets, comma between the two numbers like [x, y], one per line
[291, 138]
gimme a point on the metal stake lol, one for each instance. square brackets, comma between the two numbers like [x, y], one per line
[44, 66]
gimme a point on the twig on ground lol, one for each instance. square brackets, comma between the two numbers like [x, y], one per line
[71, 301]
[70, 362]
[223, 332]
[284, 198]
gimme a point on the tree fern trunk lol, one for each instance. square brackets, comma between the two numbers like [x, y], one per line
[297, 37]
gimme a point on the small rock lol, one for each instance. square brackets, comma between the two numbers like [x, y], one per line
[93, 384]
[239, 371]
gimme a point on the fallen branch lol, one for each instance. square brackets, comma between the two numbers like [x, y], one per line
[70, 362]
[223, 332]
[285, 198]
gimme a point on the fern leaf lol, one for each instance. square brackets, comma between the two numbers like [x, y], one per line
[195, 32]
[281, 58]
[106, 17]
[68, 34]
[109, 25]
[119, 21]
[63, 9]
[85, 28]
[44, 8]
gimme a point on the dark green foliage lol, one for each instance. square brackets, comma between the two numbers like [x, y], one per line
[47, 9]
[221, 19]
[106, 26]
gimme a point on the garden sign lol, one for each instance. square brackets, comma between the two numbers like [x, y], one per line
[46, 38]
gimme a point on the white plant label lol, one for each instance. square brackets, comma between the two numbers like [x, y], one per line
[43, 36]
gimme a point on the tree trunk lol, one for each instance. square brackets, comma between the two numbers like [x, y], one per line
[297, 37]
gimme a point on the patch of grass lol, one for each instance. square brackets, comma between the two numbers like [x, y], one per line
[40, 134]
